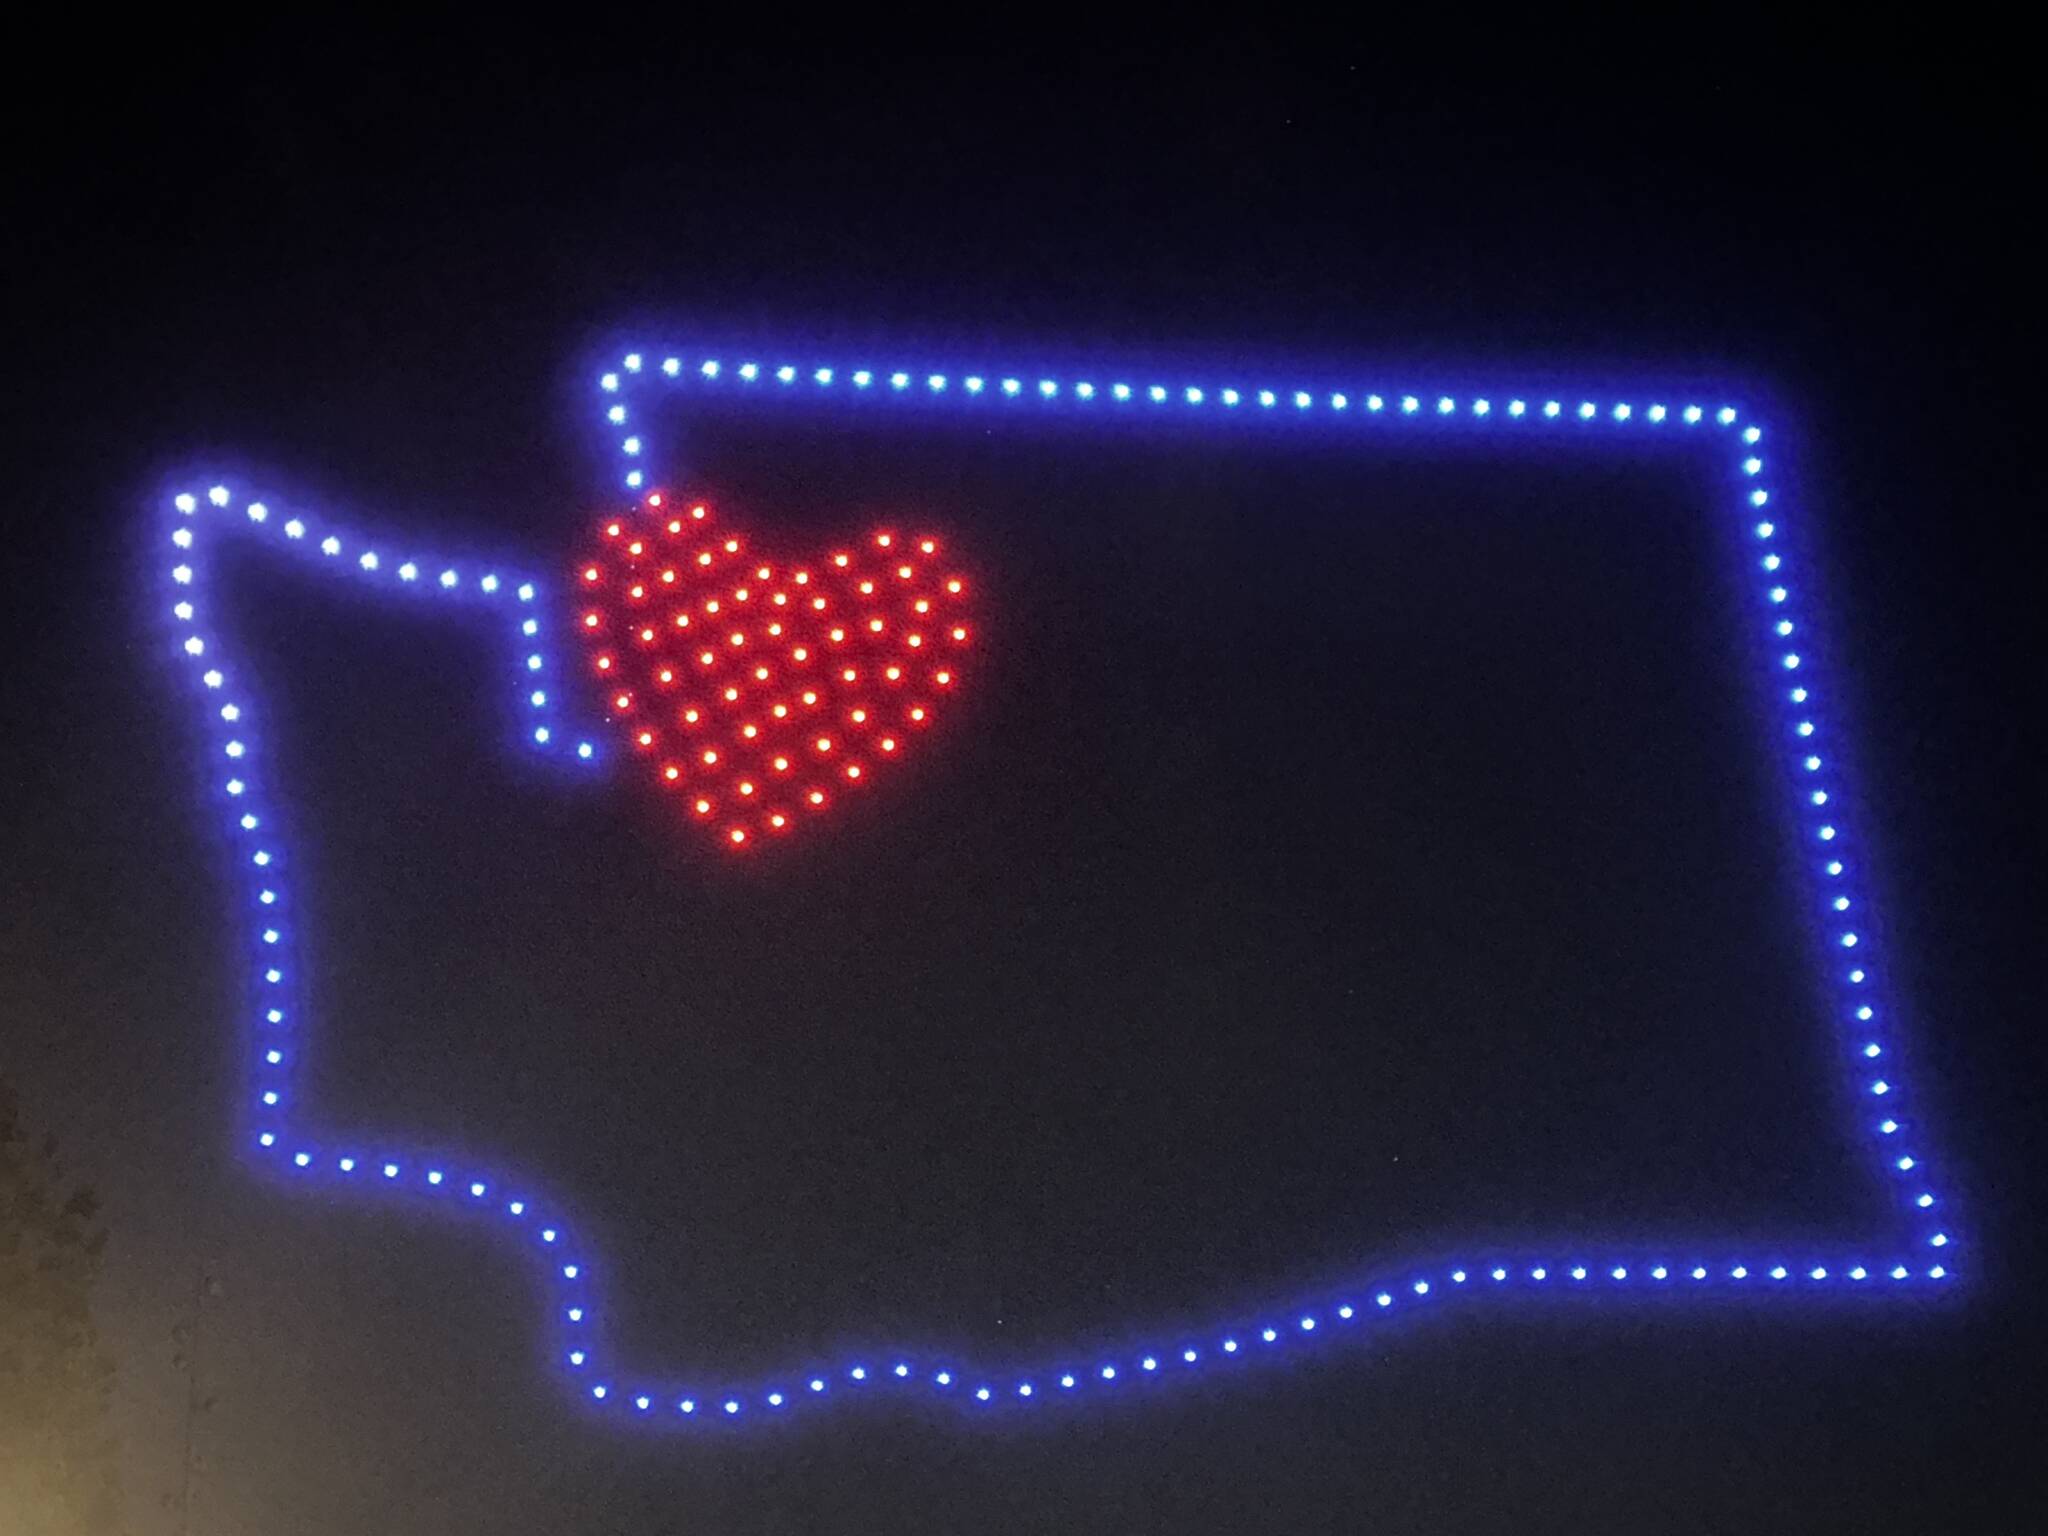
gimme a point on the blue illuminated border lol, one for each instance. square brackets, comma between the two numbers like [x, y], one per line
[1917, 1253]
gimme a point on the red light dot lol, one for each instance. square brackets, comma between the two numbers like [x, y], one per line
[779, 599]
[782, 765]
[710, 758]
[778, 820]
[810, 698]
[646, 738]
[850, 675]
[590, 573]
[816, 797]
[604, 663]
[914, 641]
[646, 634]
[875, 625]
[760, 674]
[923, 606]
[952, 586]
[705, 558]
[838, 635]
[738, 835]
[690, 716]
[732, 546]
[893, 673]
[853, 770]
[746, 787]
[959, 634]
[801, 653]
[882, 539]
[839, 560]
[762, 574]
[675, 525]
[739, 594]
[867, 588]
[818, 604]
[668, 576]
[781, 710]
[824, 743]
[750, 731]
[698, 513]
[903, 571]
[944, 677]
[590, 621]
[711, 606]
[623, 701]
[917, 714]
[732, 695]
[706, 657]
[929, 547]
[888, 743]
[611, 530]
[803, 578]
[666, 675]
[671, 772]
[635, 547]
[703, 807]
[682, 621]
[738, 638]
[654, 498]
[859, 715]
[636, 590]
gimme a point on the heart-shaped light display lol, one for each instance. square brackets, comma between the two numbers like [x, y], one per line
[761, 689]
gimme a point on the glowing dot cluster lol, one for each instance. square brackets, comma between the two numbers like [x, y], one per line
[762, 690]
[1915, 1254]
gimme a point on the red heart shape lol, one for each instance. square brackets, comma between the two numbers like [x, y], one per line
[758, 689]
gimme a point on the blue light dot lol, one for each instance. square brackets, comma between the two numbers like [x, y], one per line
[1109, 1373]
[1518, 407]
[302, 1158]
[1410, 404]
[899, 381]
[391, 1170]
[347, 1165]
[1015, 386]
[687, 1405]
[943, 1378]
[1268, 1334]
[981, 1394]
[732, 1405]
[1230, 1346]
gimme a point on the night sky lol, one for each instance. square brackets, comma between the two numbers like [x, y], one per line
[1336, 858]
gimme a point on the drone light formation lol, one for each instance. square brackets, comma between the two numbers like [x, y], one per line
[760, 690]
[771, 754]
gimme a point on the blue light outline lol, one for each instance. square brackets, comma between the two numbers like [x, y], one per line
[1920, 1256]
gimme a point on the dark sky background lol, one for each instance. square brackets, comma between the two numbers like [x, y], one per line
[1337, 853]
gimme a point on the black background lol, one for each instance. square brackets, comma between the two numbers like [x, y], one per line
[386, 271]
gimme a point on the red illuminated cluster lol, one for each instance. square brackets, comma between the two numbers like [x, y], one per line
[760, 689]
